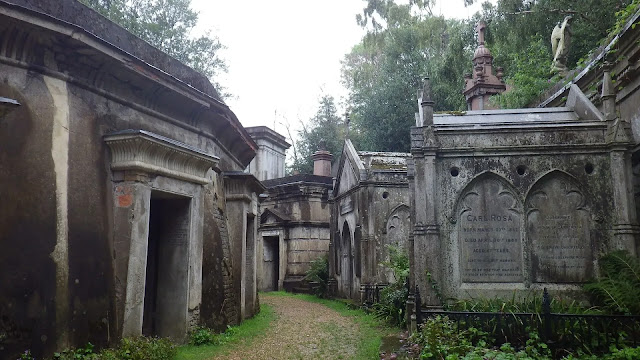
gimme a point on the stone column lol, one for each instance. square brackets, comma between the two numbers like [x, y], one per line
[426, 236]
[625, 227]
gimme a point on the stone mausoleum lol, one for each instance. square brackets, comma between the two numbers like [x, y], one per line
[521, 199]
[294, 225]
[369, 212]
[124, 207]
[527, 199]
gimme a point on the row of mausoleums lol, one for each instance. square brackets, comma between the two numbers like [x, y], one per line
[492, 201]
[124, 207]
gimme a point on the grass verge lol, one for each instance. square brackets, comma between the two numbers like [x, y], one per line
[243, 335]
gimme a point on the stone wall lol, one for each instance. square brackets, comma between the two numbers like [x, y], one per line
[66, 261]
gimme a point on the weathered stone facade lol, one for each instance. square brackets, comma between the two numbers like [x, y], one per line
[114, 219]
[294, 229]
[369, 213]
[270, 158]
[519, 199]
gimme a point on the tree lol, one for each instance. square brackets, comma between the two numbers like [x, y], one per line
[384, 71]
[405, 42]
[167, 25]
[324, 130]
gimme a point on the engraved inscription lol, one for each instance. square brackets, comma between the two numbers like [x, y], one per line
[489, 235]
[558, 227]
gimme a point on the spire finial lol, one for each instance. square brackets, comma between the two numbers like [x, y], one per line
[480, 29]
[427, 104]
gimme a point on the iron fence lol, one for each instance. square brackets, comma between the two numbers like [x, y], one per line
[563, 333]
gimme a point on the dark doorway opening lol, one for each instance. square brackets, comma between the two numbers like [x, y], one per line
[250, 271]
[271, 262]
[346, 262]
[166, 282]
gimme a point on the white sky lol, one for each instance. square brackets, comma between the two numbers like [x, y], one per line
[284, 54]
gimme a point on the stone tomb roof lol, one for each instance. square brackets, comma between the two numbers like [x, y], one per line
[103, 57]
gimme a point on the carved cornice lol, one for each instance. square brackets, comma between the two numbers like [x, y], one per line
[144, 151]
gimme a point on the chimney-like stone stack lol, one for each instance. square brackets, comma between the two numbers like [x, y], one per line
[322, 163]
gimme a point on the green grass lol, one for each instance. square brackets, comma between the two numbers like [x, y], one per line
[243, 335]
[372, 330]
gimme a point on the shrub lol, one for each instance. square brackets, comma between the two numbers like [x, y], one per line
[392, 304]
[319, 274]
[139, 348]
[440, 339]
[618, 289]
[206, 336]
[83, 353]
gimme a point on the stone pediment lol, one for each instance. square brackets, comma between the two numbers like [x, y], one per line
[273, 216]
[139, 150]
[351, 170]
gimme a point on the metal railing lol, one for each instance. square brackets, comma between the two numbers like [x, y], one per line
[561, 332]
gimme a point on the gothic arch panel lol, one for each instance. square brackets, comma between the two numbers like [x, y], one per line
[397, 227]
[558, 223]
[489, 231]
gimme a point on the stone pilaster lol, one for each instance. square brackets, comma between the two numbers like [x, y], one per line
[625, 227]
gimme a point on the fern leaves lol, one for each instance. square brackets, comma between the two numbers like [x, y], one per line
[618, 289]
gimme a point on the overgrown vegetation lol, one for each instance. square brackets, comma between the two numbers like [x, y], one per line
[530, 302]
[441, 338]
[318, 275]
[618, 289]
[616, 292]
[393, 298]
[139, 348]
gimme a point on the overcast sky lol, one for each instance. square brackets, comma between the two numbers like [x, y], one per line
[284, 54]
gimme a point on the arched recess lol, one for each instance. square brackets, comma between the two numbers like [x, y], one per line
[337, 250]
[357, 237]
[558, 223]
[488, 230]
[346, 262]
[397, 227]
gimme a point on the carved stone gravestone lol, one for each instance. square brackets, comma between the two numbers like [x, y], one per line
[558, 228]
[489, 232]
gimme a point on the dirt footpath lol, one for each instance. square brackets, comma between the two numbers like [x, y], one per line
[302, 330]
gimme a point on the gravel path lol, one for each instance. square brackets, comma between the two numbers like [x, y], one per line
[302, 330]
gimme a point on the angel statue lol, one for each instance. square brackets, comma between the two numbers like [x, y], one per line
[560, 42]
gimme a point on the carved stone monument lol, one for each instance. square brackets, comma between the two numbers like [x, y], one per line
[560, 42]
[558, 225]
[489, 237]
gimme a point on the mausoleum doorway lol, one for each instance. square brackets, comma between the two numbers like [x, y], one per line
[271, 265]
[346, 262]
[166, 281]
